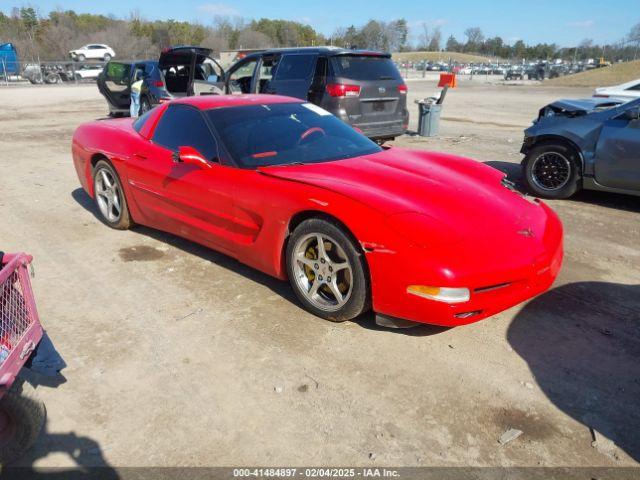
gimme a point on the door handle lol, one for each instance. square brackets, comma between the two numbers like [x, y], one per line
[140, 156]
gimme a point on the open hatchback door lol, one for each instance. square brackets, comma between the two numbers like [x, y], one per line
[189, 70]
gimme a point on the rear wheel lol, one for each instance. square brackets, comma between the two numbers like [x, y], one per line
[106, 57]
[22, 416]
[552, 171]
[327, 271]
[109, 197]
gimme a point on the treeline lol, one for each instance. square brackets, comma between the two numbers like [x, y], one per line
[51, 37]
[475, 42]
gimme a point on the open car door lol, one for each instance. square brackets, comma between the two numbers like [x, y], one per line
[191, 71]
[115, 84]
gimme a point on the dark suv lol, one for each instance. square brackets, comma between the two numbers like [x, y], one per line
[362, 88]
[180, 71]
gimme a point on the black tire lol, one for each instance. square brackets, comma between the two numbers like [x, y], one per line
[106, 57]
[359, 300]
[81, 58]
[26, 416]
[123, 220]
[541, 182]
[52, 79]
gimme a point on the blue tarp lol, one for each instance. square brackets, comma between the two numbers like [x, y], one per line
[8, 60]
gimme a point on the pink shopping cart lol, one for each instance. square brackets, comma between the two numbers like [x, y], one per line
[22, 415]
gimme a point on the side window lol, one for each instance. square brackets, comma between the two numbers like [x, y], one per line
[118, 73]
[240, 78]
[267, 70]
[182, 126]
[140, 121]
[635, 87]
[320, 75]
[295, 67]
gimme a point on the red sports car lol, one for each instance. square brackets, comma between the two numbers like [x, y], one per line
[287, 188]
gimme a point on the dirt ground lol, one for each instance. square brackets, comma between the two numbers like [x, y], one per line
[178, 355]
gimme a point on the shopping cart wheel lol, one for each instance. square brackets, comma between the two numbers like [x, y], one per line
[22, 416]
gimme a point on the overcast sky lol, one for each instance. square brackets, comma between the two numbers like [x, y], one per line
[565, 22]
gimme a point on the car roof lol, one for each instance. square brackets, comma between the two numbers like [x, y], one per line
[329, 50]
[207, 102]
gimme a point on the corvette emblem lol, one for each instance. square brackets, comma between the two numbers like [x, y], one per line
[527, 232]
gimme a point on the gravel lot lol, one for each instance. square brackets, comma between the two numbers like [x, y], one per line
[179, 355]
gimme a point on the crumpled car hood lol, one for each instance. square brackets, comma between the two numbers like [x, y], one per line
[582, 106]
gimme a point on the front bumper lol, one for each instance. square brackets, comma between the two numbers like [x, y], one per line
[495, 285]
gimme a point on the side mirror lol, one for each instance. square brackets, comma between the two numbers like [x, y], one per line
[190, 156]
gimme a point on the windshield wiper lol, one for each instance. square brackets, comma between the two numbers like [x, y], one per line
[284, 164]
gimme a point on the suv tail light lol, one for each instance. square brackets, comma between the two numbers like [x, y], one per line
[402, 89]
[341, 90]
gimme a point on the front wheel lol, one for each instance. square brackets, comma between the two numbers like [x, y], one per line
[552, 171]
[327, 271]
[22, 416]
[81, 58]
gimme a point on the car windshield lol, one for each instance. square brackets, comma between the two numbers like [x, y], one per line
[286, 133]
[365, 67]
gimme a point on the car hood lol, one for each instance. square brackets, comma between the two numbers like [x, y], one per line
[465, 196]
[582, 106]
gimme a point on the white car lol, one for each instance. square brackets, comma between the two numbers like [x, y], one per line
[626, 91]
[88, 72]
[93, 51]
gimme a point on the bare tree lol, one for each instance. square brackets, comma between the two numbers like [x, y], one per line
[475, 38]
[436, 40]
[251, 39]
[634, 37]
[425, 38]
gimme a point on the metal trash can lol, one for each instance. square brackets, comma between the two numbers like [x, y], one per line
[428, 118]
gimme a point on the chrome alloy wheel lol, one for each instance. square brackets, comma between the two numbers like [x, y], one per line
[322, 271]
[551, 171]
[108, 195]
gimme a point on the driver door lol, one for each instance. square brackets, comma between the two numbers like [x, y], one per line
[187, 200]
[618, 151]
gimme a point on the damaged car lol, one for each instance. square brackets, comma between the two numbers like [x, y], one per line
[591, 144]
[285, 187]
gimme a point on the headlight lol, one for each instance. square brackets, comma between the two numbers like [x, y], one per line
[440, 294]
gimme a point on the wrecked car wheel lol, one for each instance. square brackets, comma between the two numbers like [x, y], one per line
[552, 171]
[327, 271]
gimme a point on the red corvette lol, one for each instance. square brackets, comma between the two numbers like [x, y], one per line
[289, 189]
